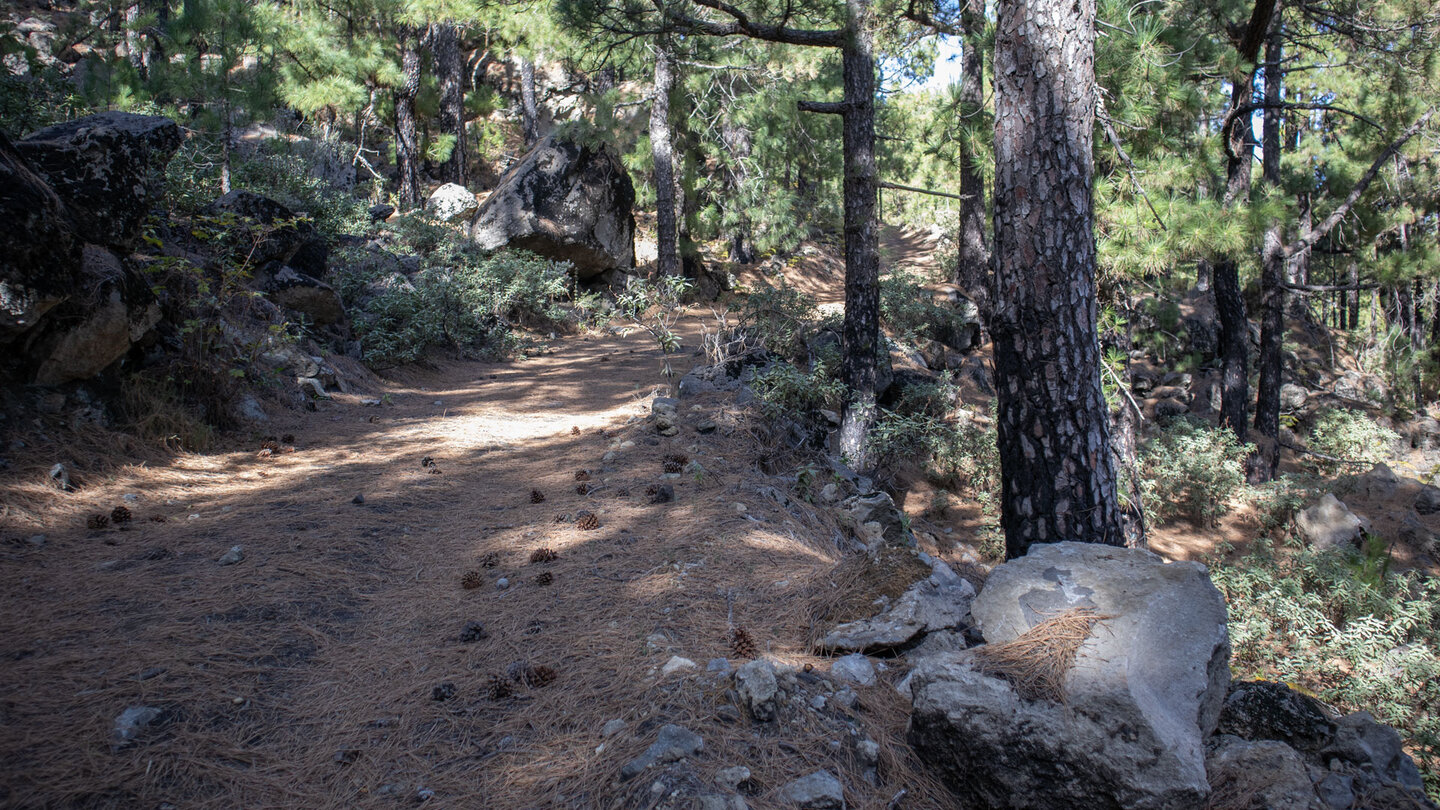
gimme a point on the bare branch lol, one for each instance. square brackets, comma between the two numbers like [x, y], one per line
[825, 107]
[898, 187]
[1363, 183]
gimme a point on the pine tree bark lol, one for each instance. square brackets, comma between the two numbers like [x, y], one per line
[973, 270]
[407, 145]
[529, 107]
[736, 140]
[662, 154]
[1057, 471]
[861, 331]
[1272, 272]
[450, 71]
[1234, 324]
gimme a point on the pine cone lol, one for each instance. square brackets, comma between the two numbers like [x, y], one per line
[622, 492]
[543, 555]
[97, 522]
[499, 688]
[652, 490]
[536, 496]
[472, 580]
[271, 445]
[490, 560]
[563, 517]
[741, 644]
[539, 677]
[157, 518]
[574, 431]
[544, 579]
[582, 475]
[582, 489]
[474, 631]
[587, 522]
[444, 691]
[673, 466]
[427, 461]
[434, 470]
[120, 515]
[678, 458]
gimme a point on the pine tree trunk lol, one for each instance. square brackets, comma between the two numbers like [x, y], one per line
[862, 253]
[1058, 474]
[973, 270]
[1233, 323]
[407, 146]
[450, 70]
[1352, 303]
[529, 108]
[1272, 273]
[662, 154]
[736, 140]
[1234, 339]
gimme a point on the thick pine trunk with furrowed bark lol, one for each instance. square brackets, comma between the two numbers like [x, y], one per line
[450, 70]
[1272, 273]
[1234, 324]
[973, 271]
[407, 143]
[662, 154]
[862, 247]
[1058, 474]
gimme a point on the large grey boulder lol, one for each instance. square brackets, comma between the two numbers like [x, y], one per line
[875, 520]
[1329, 524]
[941, 601]
[565, 201]
[452, 202]
[107, 169]
[111, 309]
[316, 300]
[41, 257]
[1260, 775]
[1144, 692]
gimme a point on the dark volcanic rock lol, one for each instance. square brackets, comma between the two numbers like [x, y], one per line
[566, 202]
[107, 169]
[41, 258]
[279, 234]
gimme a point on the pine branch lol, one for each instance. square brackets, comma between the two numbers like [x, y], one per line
[1363, 183]
[925, 18]
[898, 187]
[741, 24]
[1105, 121]
[824, 107]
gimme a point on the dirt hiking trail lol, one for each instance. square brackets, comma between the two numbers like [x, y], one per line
[337, 665]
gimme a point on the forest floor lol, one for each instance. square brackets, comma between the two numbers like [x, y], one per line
[306, 674]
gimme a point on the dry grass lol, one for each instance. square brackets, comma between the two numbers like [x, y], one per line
[1037, 661]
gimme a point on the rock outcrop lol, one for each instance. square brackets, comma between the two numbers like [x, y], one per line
[278, 235]
[1144, 692]
[41, 258]
[565, 201]
[941, 601]
[105, 167]
[76, 196]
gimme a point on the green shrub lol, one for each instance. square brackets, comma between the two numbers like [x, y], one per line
[785, 391]
[780, 317]
[911, 312]
[1342, 626]
[1350, 435]
[1192, 469]
[462, 298]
